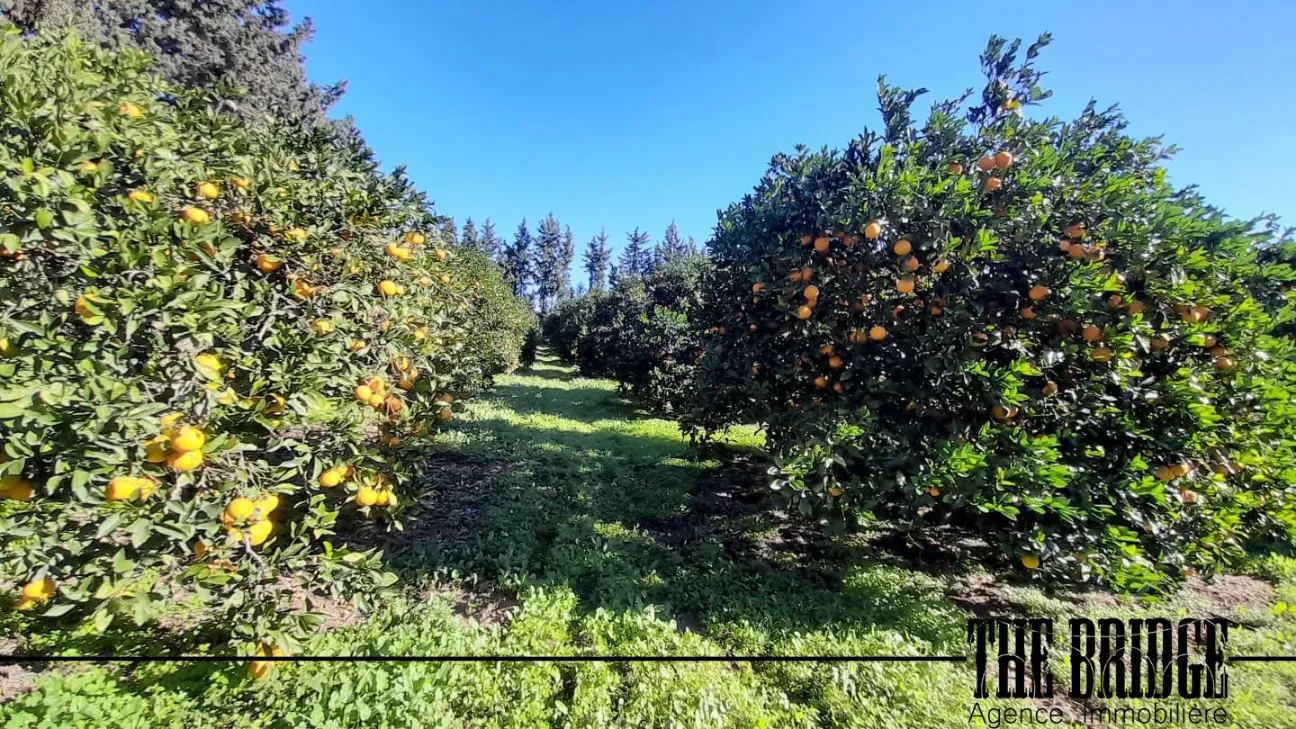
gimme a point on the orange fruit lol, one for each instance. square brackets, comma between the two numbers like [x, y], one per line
[835, 362]
[993, 183]
[1135, 307]
[388, 288]
[363, 393]
[877, 333]
[1028, 312]
[1003, 160]
[941, 265]
[811, 292]
[267, 263]
[194, 215]
[1030, 561]
[985, 164]
[758, 287]
[444, 415]
[873, 230]
[1050, 388]
[208, 190]
[905, 285]
[911, 264]
[902, 247]
[185, 461]
[1037, 293]
[821, 245]
[1225, 364]
[955, 168]
[803, 312]
[821, 381]
[1092, 333]
[806, 240]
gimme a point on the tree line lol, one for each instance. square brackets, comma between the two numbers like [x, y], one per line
[538, 265]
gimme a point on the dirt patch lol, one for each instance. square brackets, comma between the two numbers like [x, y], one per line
[484, 606]
[1231, 596]
[15, 679]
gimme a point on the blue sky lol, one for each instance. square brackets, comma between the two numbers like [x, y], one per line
[620, 114]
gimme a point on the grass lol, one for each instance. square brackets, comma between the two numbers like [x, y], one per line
[606, 534]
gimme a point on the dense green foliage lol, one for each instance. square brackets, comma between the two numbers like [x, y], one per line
[1016, 326]
[248, 45]
[190, 309]
[638, 333]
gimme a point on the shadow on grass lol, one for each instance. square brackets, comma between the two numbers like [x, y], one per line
[586, 495]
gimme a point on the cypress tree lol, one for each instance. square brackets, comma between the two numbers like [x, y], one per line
[516, 260]
[548, 255]
[597, 258]
[469, 237]
[491, 244]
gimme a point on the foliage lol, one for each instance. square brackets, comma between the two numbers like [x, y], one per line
[639, 332]
[597, 257]
[248, 45]
[636, 258]
[1012, 325]
[191, 308]
[518, 260]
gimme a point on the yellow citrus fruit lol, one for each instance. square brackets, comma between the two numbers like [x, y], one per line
[303, 289]
[357, 345]
[188, 439]
[38, 590]
[184, 461]
[1030, 561]
[127, 109]
[414, 238]
[363, 393]
[122, 488]
[259, 532]
[240, 509]
[208, 190]
[388, 288]
[268, 263]
[266, 505]
[330, 478]
[16, 488]
[140, 196]
[905, 285]
[241, 183]
[89, 166]
[366, 496]
[375, 400]
[322, 326]
[297, 234]
[194, 215]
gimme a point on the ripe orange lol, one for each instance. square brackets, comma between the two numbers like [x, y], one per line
[39, 590]
[835, 362]
[375, 400]
[1209, 341]
[821, 245]
[1093, 333]
[902, 247]
[858, 336]
[811, 292]
[806, 240]
[873, 230]
[444, 414]
[1050, 388]
[1135, 307]
[758, 287]
[267, 263]
[1003, 160]
[877, 333]
[208, 190]
[388, 288]
[821, 382]
[188, 439]
[194, 215]
[911, 264]
[1037, 293]
[803, 312]
[363, 393]
[1028, 312]
[905, 285]
[331, 478]
[955, 168]
[1225, 364]
[184, 461]
[827, 349]
[1160, 341]
[122, 488]
[941, 265]
[1114, 301]
[985, 164]
[993, 183]
[1030, 561]
[837, 387]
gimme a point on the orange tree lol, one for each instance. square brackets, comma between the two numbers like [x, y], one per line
[219, 346]
[1012, 325]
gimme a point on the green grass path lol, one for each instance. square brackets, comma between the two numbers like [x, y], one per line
[568, 522]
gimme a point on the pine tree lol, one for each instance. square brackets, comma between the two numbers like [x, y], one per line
[247, 44]
[449, 231]
[548, 255]
[568, 254]
[672, 246]
[636, 258]
[516, 260]
[491, 244]
[693, 247]
[597, 258]
[612, 277]
[469, 238]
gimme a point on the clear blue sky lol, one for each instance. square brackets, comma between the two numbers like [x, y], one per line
[620, 114]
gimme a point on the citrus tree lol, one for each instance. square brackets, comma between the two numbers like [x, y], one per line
[219, 349]
[1012, 325]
